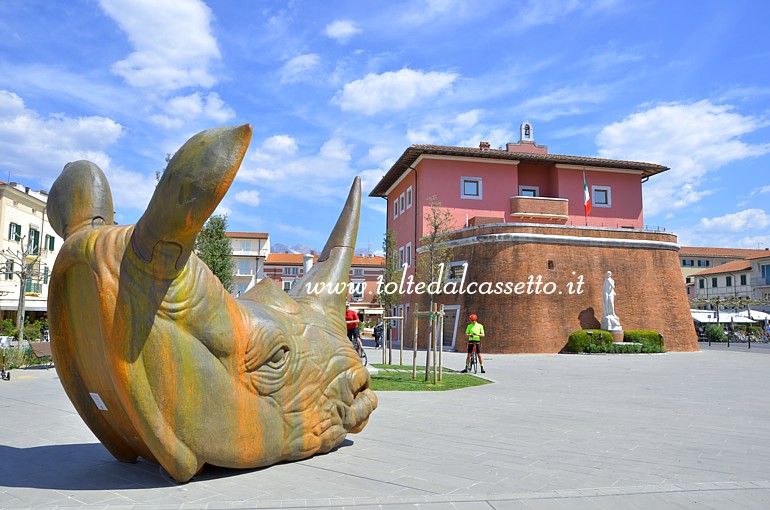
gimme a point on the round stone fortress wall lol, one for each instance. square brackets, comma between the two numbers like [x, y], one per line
[645, 266]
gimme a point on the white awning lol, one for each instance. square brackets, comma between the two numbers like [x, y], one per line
[30, 305]
[756, 315]
[710, 316]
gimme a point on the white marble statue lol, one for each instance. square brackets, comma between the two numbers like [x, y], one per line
[610, 321]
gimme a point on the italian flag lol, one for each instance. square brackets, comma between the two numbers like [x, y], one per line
[586, 195]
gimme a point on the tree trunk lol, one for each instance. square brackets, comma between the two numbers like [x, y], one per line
[20, 310]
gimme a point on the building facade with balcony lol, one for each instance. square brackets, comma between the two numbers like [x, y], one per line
[694, 259]
[29, 238]
[287, 268]
[250, 251]
[748, 277]
[520, 212]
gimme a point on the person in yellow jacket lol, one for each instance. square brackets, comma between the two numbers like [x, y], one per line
[474, 332]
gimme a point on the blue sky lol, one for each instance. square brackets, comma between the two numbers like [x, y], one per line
[336, 89]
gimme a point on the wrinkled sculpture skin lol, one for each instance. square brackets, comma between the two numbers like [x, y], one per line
[188, 374]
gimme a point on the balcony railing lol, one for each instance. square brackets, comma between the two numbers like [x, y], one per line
[540, 210]
[761, 281]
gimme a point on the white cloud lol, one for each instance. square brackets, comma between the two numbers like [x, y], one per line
[36, 147]
[299, 68]
[335, 149]
[749, 219]
[320, 178]
[369, 179]
[564, 101]
[761, 191]
[172, 41]
[392, 90]
[183, 109]
[692, 139]
[341, 30]
[248, 197]
[280, 144]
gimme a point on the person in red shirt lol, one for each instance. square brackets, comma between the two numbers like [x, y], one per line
[352, 320]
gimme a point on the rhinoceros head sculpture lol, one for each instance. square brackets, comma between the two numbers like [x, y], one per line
[162, 362]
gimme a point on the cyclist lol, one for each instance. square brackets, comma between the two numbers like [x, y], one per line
[352, 320]
[474, 332]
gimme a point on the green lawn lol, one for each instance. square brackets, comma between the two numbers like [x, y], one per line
[402, 380]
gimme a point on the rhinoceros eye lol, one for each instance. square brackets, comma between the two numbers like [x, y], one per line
[278, 357]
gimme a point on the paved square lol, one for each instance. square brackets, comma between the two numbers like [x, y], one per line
[555, 431]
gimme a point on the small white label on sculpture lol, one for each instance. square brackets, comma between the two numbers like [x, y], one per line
[98, 401]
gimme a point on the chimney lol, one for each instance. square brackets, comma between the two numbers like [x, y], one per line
[307, 262]
[484, 146]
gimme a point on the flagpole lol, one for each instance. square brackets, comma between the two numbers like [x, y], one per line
[585, 188]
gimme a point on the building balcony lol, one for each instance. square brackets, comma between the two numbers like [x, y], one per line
[540, 210]
[251, 253]
[760, 281]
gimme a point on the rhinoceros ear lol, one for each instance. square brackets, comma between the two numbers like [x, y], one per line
[333, 266]
[80, 198]
[195, 181]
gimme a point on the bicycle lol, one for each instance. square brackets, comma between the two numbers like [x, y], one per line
[474, 362]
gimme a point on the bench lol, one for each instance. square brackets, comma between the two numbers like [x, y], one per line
[41, 351]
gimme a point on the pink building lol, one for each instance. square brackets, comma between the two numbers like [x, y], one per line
[521, 187]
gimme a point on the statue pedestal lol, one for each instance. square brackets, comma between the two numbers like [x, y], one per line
[617, 336]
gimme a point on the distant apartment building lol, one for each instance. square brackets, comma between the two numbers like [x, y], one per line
[286, 269]
[23, 220]
[745, 277]
[694, 259]
[250, 251]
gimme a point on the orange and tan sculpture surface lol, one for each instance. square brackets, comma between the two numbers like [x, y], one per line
[157, 357]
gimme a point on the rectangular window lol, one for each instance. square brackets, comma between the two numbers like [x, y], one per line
[14, 231]
[601, 196]
[743, 279]
[50, 242]
[529, 191]
[395, 208]
[470, 187]
[401, 257]
[728, 281]
[243, 267]
[34, 241]
[358, 291]
[287, 284]
[701, 283]
[713, 282]
[455, 270]
[358, 271]
[408, 197]
[402, 202]
[291, 270]
[408, 254]
[9, 270]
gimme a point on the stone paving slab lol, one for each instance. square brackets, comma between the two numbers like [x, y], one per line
[554, 431]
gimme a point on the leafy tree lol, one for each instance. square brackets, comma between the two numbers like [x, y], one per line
[433, 253]
[213, 247]
[392, 271]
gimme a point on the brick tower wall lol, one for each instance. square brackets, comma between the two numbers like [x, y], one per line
[648, 282]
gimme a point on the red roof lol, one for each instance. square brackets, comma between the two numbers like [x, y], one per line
[731, 253]
[248, 235]
[728, 267]
[413, 152]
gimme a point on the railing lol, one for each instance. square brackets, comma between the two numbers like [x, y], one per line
[760, 281]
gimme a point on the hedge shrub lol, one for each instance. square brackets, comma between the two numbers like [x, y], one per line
[581, 341]
[651, 341]
[716, 333]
